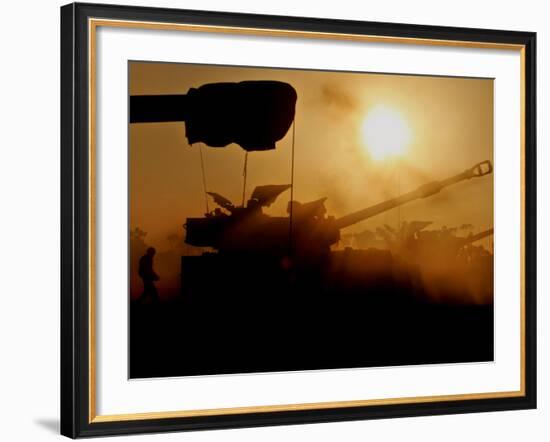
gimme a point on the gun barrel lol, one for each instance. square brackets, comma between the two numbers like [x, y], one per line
[473, 238]
[158, 108]
[253, 114]
[477, 171]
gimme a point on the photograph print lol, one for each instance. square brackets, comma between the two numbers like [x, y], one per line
[286, 219]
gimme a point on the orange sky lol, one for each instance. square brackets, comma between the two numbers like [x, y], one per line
[451, 126]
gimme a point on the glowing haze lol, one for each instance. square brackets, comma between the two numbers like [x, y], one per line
[386, 133]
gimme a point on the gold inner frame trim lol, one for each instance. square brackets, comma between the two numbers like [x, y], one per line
[93, 24]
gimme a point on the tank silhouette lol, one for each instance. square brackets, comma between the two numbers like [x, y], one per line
[306, 234]
[251, 253]
[406, 237]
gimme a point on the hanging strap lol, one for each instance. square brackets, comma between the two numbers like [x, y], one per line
[244, 175]
[204, 188]
[291, 188]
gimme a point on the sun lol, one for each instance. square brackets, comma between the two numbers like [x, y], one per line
[385, 133]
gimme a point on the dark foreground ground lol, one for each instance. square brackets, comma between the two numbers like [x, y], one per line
[218, 329]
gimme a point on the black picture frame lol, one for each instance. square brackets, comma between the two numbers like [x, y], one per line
[76, 417]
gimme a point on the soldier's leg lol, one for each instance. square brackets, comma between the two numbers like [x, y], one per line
[154, 292]
[144, 293]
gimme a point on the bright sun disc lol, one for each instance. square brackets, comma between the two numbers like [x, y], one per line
[385, 133]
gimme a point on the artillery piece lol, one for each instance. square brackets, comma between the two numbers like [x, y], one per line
[306, 234]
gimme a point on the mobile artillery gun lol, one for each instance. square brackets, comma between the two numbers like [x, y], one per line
[306, 234]
[249, 249]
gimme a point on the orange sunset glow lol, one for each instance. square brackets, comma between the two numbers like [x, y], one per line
[359, 139]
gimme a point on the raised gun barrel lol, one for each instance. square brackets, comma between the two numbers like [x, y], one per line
[477, 171]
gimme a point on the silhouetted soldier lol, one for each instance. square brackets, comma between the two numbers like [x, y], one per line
[148, 275]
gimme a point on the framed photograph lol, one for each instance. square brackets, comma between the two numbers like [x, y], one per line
[275, 220]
